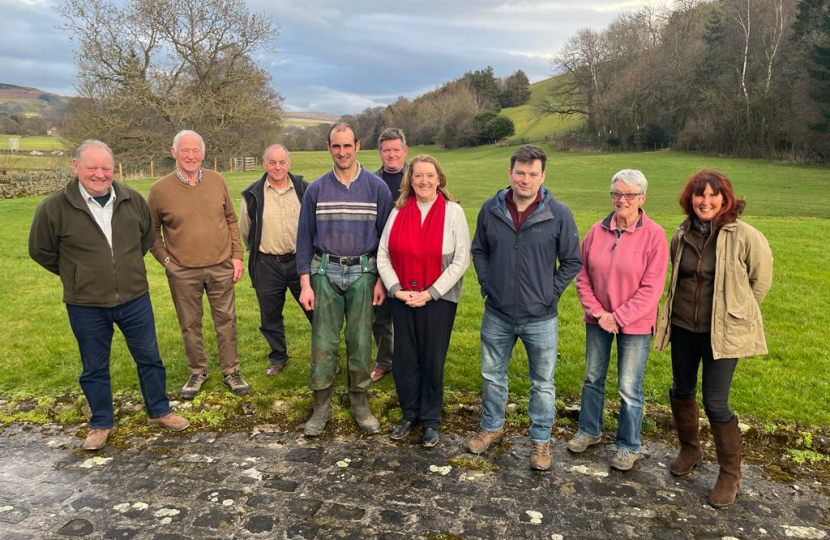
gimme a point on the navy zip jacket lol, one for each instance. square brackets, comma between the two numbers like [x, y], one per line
[518, 270]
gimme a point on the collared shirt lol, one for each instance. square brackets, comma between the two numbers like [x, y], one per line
[520, 217]
[352, 181]
[102, 214]
[186, 181]
[280, 218]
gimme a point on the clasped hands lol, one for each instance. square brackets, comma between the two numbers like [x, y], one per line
[414, 298]
[607, 321]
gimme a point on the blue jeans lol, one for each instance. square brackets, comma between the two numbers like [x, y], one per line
[498, 337]
[632, 354]
[93, 330]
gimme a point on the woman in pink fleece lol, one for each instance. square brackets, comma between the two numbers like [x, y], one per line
[624, 261]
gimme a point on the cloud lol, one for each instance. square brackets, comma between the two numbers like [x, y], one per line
[343, 57]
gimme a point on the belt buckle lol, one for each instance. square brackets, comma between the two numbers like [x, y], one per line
[343, 261]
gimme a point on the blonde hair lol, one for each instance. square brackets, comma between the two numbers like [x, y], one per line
[406, 183]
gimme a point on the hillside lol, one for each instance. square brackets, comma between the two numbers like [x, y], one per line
[305, 119]
[27, 102]
[533, 127]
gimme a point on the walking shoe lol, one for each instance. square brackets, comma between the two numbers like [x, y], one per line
[274, 369]
[402, 429]
[236, 383]
[540, 456]
[378, 374]
[193, 385]
[97, 438]
[581, 441]
[624, 459]
[482, 440]
[429, 437]
[170, 421]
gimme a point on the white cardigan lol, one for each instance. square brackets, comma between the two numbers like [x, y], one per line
[455, 257]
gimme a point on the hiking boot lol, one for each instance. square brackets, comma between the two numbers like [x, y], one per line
[540, 456]
[170, 421]
[322, 412]
[581, 441]
[236, 383]
[193, 385]
[274, 369]
[624, 459]
[482, 440]
[429, 437]
[97, 438]
[359, 402]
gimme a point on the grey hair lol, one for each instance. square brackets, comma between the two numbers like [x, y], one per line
[185, 132]
[89, 143]
[392, 134]
[273, 146]
[631, 177]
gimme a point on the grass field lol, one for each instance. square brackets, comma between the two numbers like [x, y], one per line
[528, 124]
[39, 356]
[27, 144]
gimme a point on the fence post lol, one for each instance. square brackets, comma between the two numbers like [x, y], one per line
[152, 173]
[120, 173]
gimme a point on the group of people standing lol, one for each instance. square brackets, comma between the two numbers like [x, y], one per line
[386, 252]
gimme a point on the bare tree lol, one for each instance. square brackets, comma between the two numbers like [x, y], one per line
[149, 68]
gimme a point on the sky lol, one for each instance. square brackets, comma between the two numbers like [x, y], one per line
[342, 57]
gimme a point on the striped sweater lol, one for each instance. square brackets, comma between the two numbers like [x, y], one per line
[343, 221]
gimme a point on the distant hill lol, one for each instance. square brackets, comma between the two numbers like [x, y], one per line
[533, 127]
[305, 119]
[28, 102]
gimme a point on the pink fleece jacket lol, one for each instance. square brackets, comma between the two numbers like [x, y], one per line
[624, 276]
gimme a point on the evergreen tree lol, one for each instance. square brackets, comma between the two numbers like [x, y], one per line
[820, 72]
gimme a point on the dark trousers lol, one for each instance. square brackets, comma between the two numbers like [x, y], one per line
[273, 279]
[688, 349]
[383, 333]
[93, 328]
[422, 337]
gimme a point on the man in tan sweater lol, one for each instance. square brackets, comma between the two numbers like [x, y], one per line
[197, 241]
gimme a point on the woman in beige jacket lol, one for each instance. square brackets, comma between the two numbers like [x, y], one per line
[721, 271]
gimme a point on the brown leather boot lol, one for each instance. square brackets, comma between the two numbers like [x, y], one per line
[685, 414]
[728, 446]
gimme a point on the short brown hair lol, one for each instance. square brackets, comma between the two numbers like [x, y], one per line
[527, 153]
[731, 208]
[341, 126]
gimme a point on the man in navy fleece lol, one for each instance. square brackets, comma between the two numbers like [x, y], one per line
[341, 220]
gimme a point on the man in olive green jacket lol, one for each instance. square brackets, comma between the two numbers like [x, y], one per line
[94, 234]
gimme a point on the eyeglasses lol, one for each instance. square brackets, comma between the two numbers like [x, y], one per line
[617, 195]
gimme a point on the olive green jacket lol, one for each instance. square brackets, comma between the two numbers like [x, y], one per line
[66, 240]
[743, 276]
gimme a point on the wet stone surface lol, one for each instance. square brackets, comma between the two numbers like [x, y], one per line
[268, 484]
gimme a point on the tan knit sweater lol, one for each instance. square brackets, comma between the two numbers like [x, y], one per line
[195, 225]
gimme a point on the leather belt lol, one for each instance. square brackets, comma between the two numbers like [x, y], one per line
[281, 258]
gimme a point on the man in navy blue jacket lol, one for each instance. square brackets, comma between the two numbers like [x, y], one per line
[521, 233]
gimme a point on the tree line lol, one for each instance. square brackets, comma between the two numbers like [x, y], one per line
[463, 112]
[738, 77]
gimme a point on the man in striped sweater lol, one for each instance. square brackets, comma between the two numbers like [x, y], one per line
[341, 220]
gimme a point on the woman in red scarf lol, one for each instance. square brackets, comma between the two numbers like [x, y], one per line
[422, 257]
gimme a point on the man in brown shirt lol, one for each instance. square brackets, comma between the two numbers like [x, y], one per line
[197, 241]
[268, 218]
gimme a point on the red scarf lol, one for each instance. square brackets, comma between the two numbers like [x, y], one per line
[415, 249]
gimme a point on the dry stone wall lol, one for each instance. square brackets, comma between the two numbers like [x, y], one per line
[25, 184]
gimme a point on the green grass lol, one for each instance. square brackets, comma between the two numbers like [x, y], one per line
[528, 124]
[28, 144]
[39, 356]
